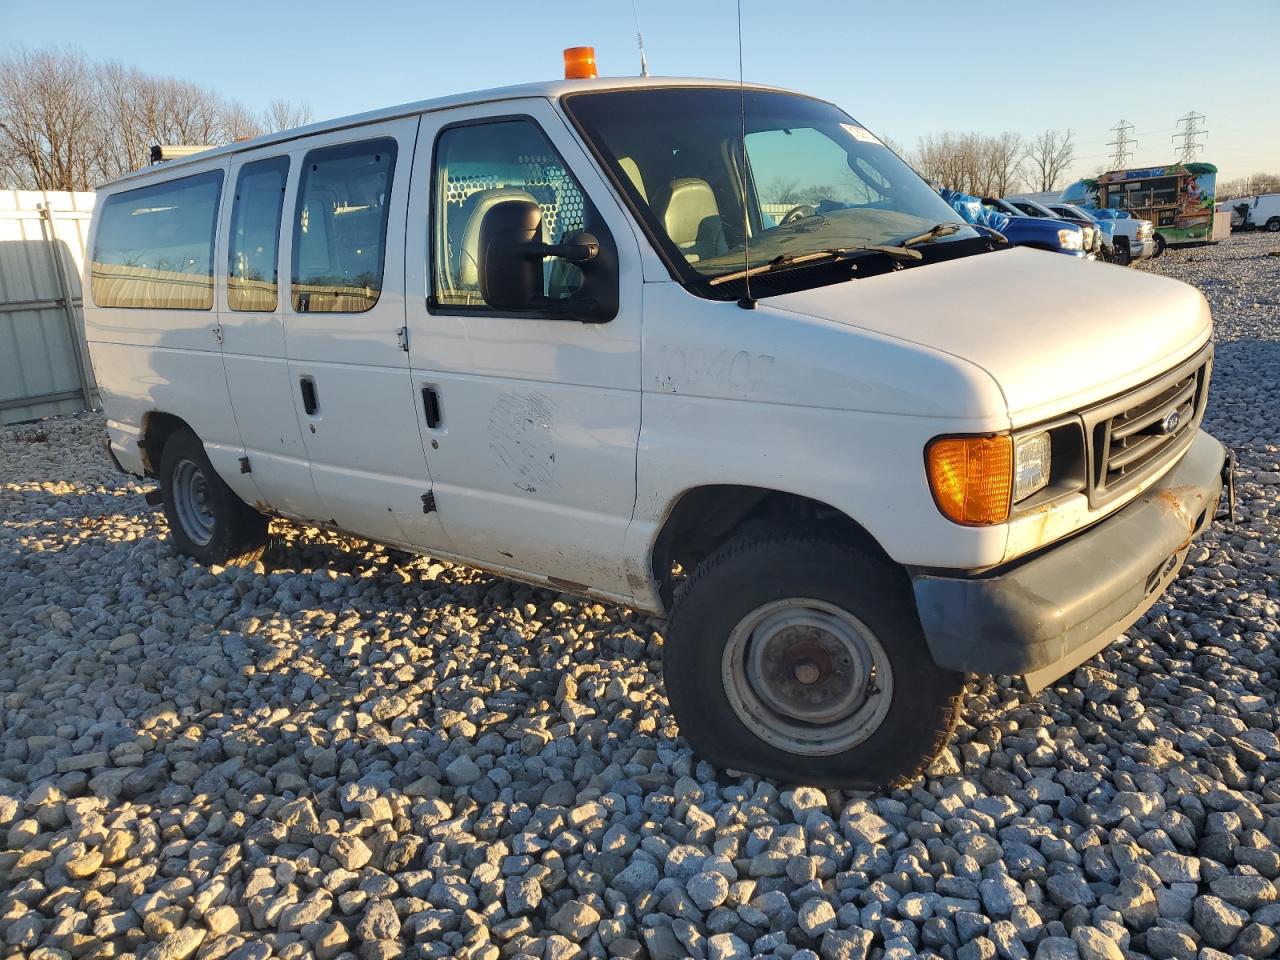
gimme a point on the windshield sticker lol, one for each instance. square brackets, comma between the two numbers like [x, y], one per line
[860, 133]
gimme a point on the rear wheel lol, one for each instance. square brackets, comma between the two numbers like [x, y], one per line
[802, 658]
[206, 519]
[1273, 225]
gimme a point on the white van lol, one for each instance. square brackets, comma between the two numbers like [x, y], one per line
[1264, 213]
[548, 330]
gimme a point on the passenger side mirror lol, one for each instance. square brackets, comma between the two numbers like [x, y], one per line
[509, 261]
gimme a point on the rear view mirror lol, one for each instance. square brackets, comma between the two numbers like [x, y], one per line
[509, 262]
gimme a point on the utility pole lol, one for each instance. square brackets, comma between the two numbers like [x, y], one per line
[1123, 142]
[1190, 122]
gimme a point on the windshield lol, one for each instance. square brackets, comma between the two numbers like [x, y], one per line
[815, 179]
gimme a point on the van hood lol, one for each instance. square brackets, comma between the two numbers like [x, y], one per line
[1055, 333]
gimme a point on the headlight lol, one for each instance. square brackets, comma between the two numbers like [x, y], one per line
[1031, 456]
[972, 477]
[1071, 239]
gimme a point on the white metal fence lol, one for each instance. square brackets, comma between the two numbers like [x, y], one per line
[44, 361]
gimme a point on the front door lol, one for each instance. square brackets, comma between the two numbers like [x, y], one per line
[530, 420]
[344, 314]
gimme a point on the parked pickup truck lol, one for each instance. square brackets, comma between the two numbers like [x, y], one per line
[1096, 241]
[1132, 239]
[852, 456]
[1051, 236]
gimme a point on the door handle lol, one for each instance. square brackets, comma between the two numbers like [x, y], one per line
[431, 406]
[310, 399]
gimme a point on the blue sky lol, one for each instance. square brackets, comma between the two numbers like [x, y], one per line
[903, 69]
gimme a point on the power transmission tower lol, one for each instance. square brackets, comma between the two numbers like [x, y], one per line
[1122, 143]
[1190, 131]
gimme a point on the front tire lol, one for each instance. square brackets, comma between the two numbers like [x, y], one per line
[800, 657]
[206, 519]
[1122, 255]
[1160, 245]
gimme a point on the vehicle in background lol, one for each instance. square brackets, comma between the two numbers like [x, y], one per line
[1130, 238]
[1264, 213]
[852, 455]
[1052, 236]
[1095, 241]
[1178, 199]
[1238, 208]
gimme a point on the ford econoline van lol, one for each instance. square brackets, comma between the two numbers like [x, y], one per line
[709, 351]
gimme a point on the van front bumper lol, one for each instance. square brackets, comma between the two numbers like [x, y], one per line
[1041, 618]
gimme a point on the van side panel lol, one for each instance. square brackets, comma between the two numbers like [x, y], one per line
[160, 359]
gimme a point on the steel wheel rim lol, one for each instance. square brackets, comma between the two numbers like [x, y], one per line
[807, 677]
[191, 502]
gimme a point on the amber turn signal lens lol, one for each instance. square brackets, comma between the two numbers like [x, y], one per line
[972, 477]
[579, 63]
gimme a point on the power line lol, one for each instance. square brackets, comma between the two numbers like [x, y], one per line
[1120, 158]
[1188, 135]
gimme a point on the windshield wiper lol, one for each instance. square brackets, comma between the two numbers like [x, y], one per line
[933, 233]
[787, 260]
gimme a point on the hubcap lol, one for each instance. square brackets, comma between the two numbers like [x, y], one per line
[807, 676]
[191, 502]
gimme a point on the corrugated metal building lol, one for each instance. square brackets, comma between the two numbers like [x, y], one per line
[44, 361]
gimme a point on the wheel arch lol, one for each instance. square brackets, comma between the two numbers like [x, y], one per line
[157, 427]
[702, 518]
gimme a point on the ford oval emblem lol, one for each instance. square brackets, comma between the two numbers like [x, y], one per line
[1170, 423]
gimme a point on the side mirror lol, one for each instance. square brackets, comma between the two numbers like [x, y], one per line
[509, 258]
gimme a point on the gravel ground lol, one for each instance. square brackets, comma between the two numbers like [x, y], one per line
[344, 754]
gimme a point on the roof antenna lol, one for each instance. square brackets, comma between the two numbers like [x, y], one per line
[746, 302]
[644, 64]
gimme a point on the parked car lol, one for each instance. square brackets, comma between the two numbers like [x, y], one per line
[1094, 240]
[1264, 213]
[1020, 231]
[1131, 238]
[851, 457]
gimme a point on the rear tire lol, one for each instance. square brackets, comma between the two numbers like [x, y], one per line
[800, 657]
[206, 519]
[1273, 225]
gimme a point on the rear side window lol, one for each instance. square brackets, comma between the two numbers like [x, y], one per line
[154, 245]
[255, 235]
[340, 229]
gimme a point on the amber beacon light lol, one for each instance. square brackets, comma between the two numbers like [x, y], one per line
[579, 63]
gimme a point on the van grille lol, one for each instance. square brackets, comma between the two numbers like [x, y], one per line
[1136, 435]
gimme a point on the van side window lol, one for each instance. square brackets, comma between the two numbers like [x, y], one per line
[480, 165]
[154, 245]
[340, 228]
[252, 248]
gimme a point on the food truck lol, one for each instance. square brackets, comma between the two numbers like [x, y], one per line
[1178, 199]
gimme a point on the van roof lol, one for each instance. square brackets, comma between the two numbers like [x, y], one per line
[548, 89]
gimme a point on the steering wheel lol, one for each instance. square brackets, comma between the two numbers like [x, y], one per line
[803, 212]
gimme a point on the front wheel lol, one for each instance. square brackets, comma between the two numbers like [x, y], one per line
[206, 519]
[801, 657]
[1160, 245]
[1122, 255]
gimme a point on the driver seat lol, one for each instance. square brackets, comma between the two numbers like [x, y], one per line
[692, 219]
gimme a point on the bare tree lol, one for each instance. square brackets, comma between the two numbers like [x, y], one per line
[67, 123]
[285, 115]
[1049, 155]
[48, 139]
[1001, 164]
